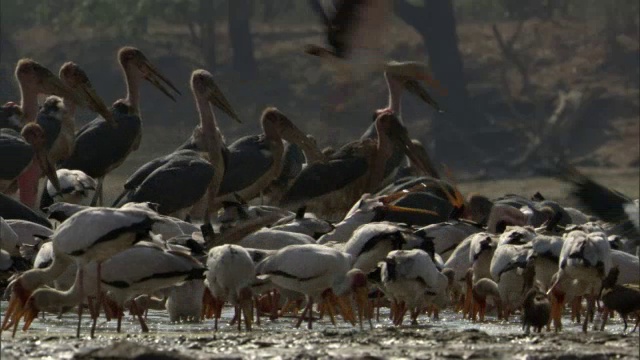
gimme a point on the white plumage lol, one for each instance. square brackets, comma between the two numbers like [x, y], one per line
[372, 242]
[516, 235]
[76, 187]
[407, 276]
[506, 265]
[362, 212]
[545, 254]
[27, 233]
[448, 235]
[230, 274]
[270, 239]
[586, 258]
[480, 254]
[312, 269]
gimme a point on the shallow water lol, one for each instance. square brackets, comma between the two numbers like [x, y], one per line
[451, 337]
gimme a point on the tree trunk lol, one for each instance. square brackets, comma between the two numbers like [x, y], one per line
[455, 129]
[207, 24]
[244, 62]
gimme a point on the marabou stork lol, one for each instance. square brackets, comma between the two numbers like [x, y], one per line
[185, 169]
[100, 146]
[255, 161]
[330, 189]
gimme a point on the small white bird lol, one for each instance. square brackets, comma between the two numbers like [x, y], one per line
[318, 272]
[585, 258]
[76, 187]
[371, 243]
[229, 277]
[407, 276]
[271, 239]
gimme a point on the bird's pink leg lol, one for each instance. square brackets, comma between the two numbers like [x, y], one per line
[28, 184]
[80, 306]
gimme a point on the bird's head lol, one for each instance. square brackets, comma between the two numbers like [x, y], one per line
[276, 124]
[14, 115]
[34, 77]
[76, 79]
[203, 85]
[131, 58]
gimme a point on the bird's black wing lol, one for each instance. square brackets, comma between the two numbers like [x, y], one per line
[175, 185]
[15, 154]
[12, 209]
[322, 178]
[248, 158]
[99, 146]
[605, 203]
[51, 127]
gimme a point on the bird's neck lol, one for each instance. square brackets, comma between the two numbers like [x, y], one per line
[35, 278]
[132, 79]
[384, 150]
[270, 132]
[28, 104]
[395, 94]
[208, 122]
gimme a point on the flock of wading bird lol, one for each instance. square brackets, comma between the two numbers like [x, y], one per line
[368, 229]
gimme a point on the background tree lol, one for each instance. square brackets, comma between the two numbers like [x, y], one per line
[435, 21]
[244, 62]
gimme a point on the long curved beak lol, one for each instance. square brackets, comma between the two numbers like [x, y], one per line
[55, 86]
[217, 99]
[418, 90]
[422, 161]
[311, 151]
[158, 80]
[47, 167]
[96, 103]
[395, 208]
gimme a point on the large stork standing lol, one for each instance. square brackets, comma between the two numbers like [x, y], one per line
[330, 189]
[101, 147]
[34, 79]
[255, 161]
[184, 170]
[56, 117]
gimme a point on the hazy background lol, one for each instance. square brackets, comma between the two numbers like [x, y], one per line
[561, 73]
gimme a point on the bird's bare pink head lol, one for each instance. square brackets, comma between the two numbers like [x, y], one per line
[204, 85]
[36, 78]
[277, 125]
[74, 77]
[35, 135]
[14, 115]
[131, 58]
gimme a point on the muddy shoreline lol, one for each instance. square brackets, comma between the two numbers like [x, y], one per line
[423, 341]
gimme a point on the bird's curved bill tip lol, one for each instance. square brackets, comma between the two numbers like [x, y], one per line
[48, 168]
[158, 80]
